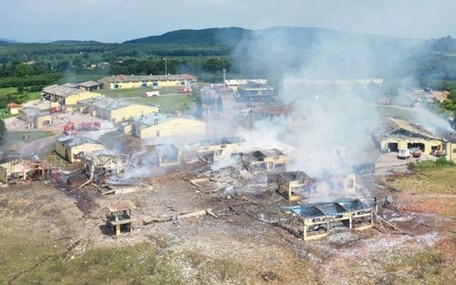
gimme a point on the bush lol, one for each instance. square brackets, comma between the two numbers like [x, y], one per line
[431, 164]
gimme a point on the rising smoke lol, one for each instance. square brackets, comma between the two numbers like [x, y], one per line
[334, 119]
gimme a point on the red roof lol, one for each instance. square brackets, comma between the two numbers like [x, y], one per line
[188, 76]
[13, 105]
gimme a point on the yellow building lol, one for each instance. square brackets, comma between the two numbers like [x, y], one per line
[66, 95]
[13, 108]
[17, 169]
[213, 146]
[69, 147]
[154, 81]
[402, 135]
[115, 110]
[159, 125]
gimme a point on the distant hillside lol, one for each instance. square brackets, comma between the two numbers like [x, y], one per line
[74, 42]
[212, 36]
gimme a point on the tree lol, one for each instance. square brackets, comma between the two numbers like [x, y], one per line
[219, 104]
[2, 132]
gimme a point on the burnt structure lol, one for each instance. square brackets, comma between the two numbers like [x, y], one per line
[289, 184]
[265, 160]
[120, 219]
[314, 221]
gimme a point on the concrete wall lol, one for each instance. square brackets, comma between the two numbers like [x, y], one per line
[177, 127]
[3, 175]
[139, 84]
[69, 153]
[134, 110]
[403, 143]
[74, 99]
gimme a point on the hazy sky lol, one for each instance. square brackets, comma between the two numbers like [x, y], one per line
[120, 20]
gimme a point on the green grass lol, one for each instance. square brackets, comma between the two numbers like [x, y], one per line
[7, 90]
[431, 164]
[137, 264]
[169, 104]
[135, 92]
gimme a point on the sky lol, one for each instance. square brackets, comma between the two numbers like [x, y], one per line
[121, 20]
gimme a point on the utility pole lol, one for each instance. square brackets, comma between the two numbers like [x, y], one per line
[224, 75]
[250, 106]
[166, 66]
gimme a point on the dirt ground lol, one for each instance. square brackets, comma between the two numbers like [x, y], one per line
[52, 232]
[241, 245]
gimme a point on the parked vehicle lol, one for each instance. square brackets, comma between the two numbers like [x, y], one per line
[403, 154]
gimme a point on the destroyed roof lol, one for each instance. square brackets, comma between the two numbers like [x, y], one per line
[90, 83]
[71, 141]
[329, 208]
[261, 154]
[136, 78]
[295, 175]
[16, 162]
[13, 105]
[120, 206]
[105, 103]
[400, 127]
[61, 90]
[245, 81]
[221, 141]
[101, 152]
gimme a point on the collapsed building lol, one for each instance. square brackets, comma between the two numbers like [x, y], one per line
[21, 169]
[253, 91]
[72, 147]
[101, 163]
[265, 160]
[290, 183]
[35, 118]
[166, 154]
[66, 95]
[114, 110]
[314, 221]
[119, 218]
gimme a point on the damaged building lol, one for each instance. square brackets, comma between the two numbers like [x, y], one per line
[20, 169]
[66, 95]
[166, 154]
[35, 118]
[119, 218]
[314, 221]
[265, 160]
[114, 110]
[292, 184]
[399, 134]
[72, 147]
[101, 163]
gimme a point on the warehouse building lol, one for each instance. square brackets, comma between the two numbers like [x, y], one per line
[35, 118]
[115, 110]
[159, 126]
[142, 81]
[66, 95]
[72, 148]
